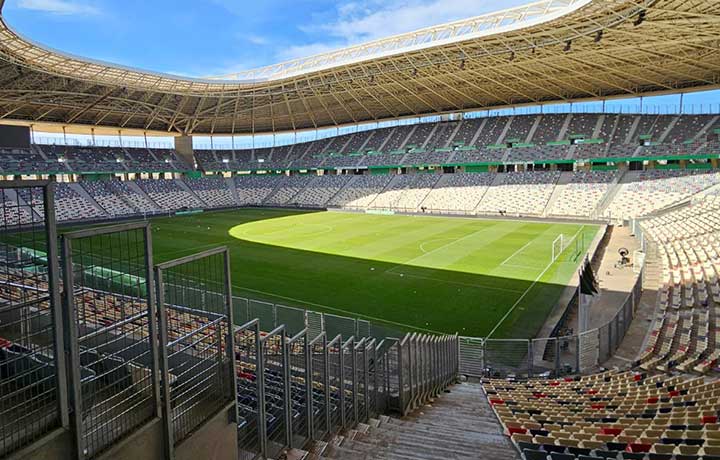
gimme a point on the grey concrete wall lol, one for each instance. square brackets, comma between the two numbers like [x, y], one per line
[55, 446]
[147, 443]
[184, 149]
[215, 440]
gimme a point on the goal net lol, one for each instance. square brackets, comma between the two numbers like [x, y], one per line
[558, 246]
[562, 242]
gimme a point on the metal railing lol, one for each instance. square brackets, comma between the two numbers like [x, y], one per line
[272, 315]
[196, 332]
[33, 389]
[551, 356]
[111, 329]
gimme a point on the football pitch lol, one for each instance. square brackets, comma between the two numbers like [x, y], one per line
[471, 276]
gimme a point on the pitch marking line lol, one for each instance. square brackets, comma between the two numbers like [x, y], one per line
[410, 262]
[516, 252]
[346, 312]
[459, 283]
[517, 302]
[422, 245]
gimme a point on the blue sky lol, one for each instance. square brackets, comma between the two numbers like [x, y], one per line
[214, 37]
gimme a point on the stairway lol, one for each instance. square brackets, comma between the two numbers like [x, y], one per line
[459, 424]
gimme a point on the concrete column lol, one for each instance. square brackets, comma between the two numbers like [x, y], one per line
[184, 149]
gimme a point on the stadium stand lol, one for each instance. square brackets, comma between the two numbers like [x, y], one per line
[360, 192]
[71, 205]
[405, 192]
[169, 195]
[582, 195]
[643, 192]
[212, 190]
[521, 193]
[321, 190]
[611, 415]
[107, 197]
[684, 335]
[254, 189]
[460, 192]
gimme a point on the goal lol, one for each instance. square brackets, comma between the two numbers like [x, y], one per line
[562, 242]
[558, 246]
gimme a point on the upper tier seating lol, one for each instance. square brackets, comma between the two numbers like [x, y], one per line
[523, 193]
[213, 190]
[644, 192]
[168, 194]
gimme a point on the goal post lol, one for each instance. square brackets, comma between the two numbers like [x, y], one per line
[558, 245]
[562, 242]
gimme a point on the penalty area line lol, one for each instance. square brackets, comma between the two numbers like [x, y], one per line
[516, 253]
[517, 302]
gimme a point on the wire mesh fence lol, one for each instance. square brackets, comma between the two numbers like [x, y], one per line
[250, 430]
[111, 332]
[196, 317]
[275, 397]
[553, 356]
[320, 384]
[334, 358]
[33, 393]
[300, 388]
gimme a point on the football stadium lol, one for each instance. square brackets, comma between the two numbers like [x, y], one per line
[479, 239]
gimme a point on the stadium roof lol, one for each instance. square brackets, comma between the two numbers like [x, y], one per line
[544, 52]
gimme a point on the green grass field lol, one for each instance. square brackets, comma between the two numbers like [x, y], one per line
[469, 276]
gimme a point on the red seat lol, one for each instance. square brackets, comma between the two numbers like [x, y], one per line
[673, 393]
[516, 430]
[497, 402]
[637, 447]
[709, 419]
[653, 400]
[598, 406]
[612, 431]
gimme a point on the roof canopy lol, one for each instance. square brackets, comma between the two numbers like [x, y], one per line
[547, 51]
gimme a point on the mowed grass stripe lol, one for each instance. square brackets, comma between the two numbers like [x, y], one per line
[339, 260]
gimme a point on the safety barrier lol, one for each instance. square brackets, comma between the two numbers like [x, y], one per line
[549, 356]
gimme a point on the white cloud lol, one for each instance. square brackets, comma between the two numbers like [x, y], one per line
[258, 40]
[366, 20]
[62, 7]
[302, 51]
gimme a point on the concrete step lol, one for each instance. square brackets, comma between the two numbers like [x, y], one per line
[459, 424]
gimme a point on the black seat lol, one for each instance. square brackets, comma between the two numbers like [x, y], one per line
[554, 448]
[610, 454]
[530, 454]
[652, 456]
[557, 456]
[522, 445]
[578, 451]
[617, 446]
[632, 455]
[589, 457]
